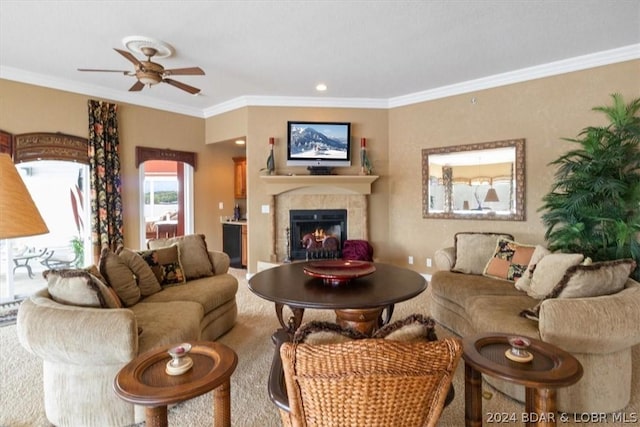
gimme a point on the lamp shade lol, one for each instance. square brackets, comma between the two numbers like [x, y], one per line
[491, 196]
[19, 216]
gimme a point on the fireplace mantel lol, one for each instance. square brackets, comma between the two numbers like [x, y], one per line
[318, 184]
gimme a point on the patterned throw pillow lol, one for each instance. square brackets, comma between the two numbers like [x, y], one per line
[194, 255]
[473, 250]
[165, 264]
[510, 260]
[80, 288]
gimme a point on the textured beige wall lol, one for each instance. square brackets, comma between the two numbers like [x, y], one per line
[541, 111]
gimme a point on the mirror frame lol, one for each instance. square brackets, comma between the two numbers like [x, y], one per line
[519, 175]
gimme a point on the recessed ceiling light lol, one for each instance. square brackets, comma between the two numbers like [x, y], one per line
[321, 87]
[240, 141]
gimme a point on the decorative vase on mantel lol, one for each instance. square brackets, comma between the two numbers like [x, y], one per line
[271, 164]
[365, 164]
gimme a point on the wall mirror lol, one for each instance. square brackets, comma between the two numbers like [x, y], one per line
[474, 181]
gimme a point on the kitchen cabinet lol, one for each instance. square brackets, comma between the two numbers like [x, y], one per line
[240, 177]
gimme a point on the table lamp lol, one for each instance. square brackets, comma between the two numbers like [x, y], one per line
[19, 216]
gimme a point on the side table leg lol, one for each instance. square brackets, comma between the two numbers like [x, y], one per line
[472, 397]
[540, 406]
[222, 405]
[156, 416]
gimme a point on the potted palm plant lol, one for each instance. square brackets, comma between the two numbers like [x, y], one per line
[594, 205]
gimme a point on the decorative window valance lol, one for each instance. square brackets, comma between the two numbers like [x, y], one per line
[144, 154]
[50, 146]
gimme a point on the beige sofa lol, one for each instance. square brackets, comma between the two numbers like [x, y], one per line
[599, 331]
[83, 348]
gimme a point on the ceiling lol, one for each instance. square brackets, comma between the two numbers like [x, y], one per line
[371, 54]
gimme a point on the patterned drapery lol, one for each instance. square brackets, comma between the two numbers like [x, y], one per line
[104, 177]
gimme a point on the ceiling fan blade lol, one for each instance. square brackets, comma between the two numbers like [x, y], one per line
[104, 71]
[129, 56]
[192, 90]
[137, 86]
[191, 71]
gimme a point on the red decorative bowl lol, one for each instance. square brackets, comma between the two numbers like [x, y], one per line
[338, 272]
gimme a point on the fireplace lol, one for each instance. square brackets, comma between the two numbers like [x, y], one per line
[319, 233]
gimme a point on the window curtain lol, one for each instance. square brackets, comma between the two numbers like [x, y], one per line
[104, 177]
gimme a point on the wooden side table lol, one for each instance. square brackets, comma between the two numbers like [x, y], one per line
[550, 369]
[143, 381]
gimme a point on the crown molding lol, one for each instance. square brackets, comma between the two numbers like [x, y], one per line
[578, 63]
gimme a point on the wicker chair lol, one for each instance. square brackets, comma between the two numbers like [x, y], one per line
[368, 382]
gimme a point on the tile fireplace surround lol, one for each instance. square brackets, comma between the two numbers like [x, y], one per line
[316, 192]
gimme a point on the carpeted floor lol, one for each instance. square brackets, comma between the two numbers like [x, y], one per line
[21, 375]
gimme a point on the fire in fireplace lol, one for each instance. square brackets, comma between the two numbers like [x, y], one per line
[320, 232]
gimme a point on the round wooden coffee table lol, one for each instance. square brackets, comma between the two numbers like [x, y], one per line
[358, 304]
[550, 369]
[143, 381]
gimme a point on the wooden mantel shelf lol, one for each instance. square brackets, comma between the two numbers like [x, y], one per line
[318, 184]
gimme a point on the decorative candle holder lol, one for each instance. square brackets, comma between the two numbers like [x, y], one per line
[519, 350]
[180, 362]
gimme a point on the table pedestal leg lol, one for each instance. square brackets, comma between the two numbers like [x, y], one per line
[294, 321]
[364, 320]
[222, 405]
[156, 416]
[540, 406]
[472, 397]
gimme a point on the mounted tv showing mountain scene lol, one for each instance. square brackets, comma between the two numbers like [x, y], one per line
[318, 144]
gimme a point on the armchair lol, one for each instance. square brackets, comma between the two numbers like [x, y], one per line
[323, 384]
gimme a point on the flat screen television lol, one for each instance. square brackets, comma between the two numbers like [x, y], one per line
[318, 144]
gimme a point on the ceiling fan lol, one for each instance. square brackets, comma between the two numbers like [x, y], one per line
[150, 73]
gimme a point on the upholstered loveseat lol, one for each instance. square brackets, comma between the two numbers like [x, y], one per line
[598, 330]
[85, 332]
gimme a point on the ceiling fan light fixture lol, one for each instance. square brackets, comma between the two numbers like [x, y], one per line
[149, 78]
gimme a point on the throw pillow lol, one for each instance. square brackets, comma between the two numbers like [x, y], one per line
[549, 271]
[119, 277]
[165, 264]
[194, 255]
[524, 282]
[416, 327]
[145, 278]
[473, 250]
[317, 332]
[509, 261]
[588, 280]
[80, 288]
[113, 295]
[595, 279]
